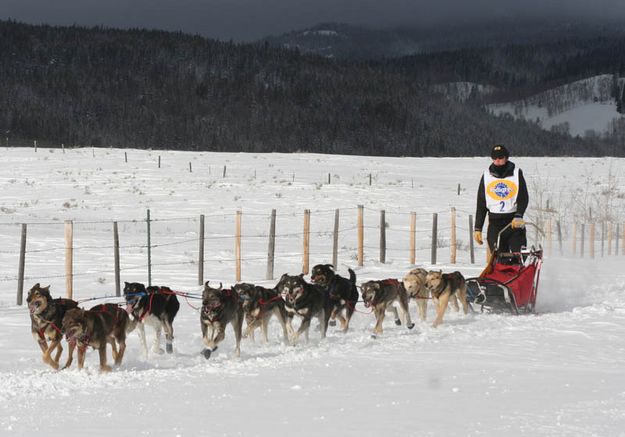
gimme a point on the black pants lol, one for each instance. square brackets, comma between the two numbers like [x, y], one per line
[511, 239]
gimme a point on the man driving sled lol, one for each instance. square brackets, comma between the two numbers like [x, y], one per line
[503, 194]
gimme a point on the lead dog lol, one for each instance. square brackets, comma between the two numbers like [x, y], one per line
[444, 286]
[220, 307]
[155, 306]
[102, 324]
[380, 295]
[342, 292]
[46, 321]
[306, 301]
[259, 304]
[414, 283]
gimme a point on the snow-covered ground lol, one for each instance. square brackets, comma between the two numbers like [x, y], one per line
[556, 373]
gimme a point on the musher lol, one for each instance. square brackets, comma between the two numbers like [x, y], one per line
[503, 194]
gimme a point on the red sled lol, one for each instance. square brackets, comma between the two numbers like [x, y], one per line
[509, 283]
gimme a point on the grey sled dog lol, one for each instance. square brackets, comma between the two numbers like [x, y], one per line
[219, 307]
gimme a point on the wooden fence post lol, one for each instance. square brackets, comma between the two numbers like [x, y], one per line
[413, 238]
[190, 168]
[306, 257]
[271, 249]
[559, 237]
[382, 236]
[610, 239]
[35, 145]
[200, 262]
[574, 239]
[361, 235]
[434, 237]
[69, 259]
[22, 263]
[583, 240]
[126, 156]
[453, 248]
[118, 289]
[591, 240]
[159, 161]
[224, 171]
[149, 250]
[335, 243]
[471, 245]
[237, 246]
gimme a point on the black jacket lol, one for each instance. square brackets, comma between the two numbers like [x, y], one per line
[522, 197]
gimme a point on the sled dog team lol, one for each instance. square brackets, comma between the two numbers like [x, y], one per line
[328, 297]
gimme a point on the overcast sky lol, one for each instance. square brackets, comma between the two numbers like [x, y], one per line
[252, 19]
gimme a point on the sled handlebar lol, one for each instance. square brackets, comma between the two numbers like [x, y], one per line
[510, 225]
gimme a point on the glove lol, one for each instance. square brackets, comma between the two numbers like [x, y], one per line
[518, 223]
[477, 236]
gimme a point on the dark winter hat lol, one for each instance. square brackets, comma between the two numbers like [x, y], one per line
[499, 151]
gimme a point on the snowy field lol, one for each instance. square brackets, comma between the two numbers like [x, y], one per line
[556, 373]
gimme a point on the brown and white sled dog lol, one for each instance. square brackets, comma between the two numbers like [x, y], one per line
[342, 292]
[219, 307]
[380, 296]
[414, 283]
[446, 286]
[155, 306]
[46, 321]
[259, 304]
[304, 300]
[102, 324]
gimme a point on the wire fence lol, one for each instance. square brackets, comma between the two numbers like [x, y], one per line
[186, 247]
[175, 244]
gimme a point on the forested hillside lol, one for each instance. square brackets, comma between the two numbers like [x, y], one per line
[140, 88]
[519, 70]
[346, 41]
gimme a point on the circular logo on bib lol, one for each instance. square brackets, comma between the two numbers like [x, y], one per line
[501, 189]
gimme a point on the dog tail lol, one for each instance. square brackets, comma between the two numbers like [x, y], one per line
[352, 276]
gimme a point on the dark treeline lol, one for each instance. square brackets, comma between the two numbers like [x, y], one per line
[139, 88]
[520, 70]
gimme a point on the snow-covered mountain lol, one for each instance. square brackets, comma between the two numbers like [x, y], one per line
[584, 107]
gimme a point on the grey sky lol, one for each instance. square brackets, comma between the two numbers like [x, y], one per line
[253, 19]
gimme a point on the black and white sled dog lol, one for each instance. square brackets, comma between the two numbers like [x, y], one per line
[306, 301]
[219, 307]
[259, 304]
[342, 292]
[154, 306]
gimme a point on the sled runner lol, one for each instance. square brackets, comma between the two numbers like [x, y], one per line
[509, 283]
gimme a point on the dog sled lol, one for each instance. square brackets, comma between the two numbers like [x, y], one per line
[509, 283]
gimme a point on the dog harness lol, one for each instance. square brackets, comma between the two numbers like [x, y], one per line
[390, 282]
[444, 282]
[229, 294]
